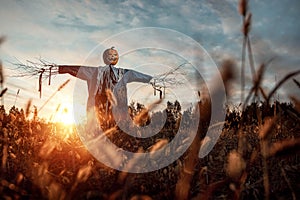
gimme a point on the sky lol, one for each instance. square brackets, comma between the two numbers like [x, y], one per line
[76, 32]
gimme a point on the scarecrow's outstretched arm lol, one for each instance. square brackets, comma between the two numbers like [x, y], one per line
[82, 72]
[134, 76]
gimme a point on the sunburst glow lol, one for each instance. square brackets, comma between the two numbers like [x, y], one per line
[65, 114]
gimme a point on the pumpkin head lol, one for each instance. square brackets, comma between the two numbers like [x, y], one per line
[110, 56]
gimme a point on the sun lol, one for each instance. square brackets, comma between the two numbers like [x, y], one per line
[65, 115]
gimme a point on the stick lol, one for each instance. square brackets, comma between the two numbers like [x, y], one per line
[60, 87]
[287, 77]
[16, 96]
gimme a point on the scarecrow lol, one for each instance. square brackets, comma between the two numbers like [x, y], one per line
[104, 84]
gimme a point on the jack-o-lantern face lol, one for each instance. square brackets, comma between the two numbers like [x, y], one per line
[110, 56]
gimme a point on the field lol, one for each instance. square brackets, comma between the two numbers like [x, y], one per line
[255, 157]
[48, 161]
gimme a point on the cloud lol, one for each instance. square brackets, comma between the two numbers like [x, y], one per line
[228, 16]
[69, 32]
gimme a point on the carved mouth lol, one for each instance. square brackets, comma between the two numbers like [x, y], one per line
[113, 60]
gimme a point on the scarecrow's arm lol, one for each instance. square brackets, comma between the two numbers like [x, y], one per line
[134, 76]
[82, 72]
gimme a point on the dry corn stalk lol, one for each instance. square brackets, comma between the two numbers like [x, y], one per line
[187, 173]
[264, 136]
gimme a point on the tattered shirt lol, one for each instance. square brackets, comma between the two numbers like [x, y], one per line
[99, 79]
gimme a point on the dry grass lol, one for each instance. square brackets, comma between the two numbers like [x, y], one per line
[38, 163]
[256, 156]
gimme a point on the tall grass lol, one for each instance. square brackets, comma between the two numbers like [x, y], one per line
[256, 156]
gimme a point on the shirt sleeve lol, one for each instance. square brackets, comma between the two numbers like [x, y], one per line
[82, 72]
[134, 76]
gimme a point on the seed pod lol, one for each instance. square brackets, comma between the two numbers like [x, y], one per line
[235, 165]
[242, 8]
